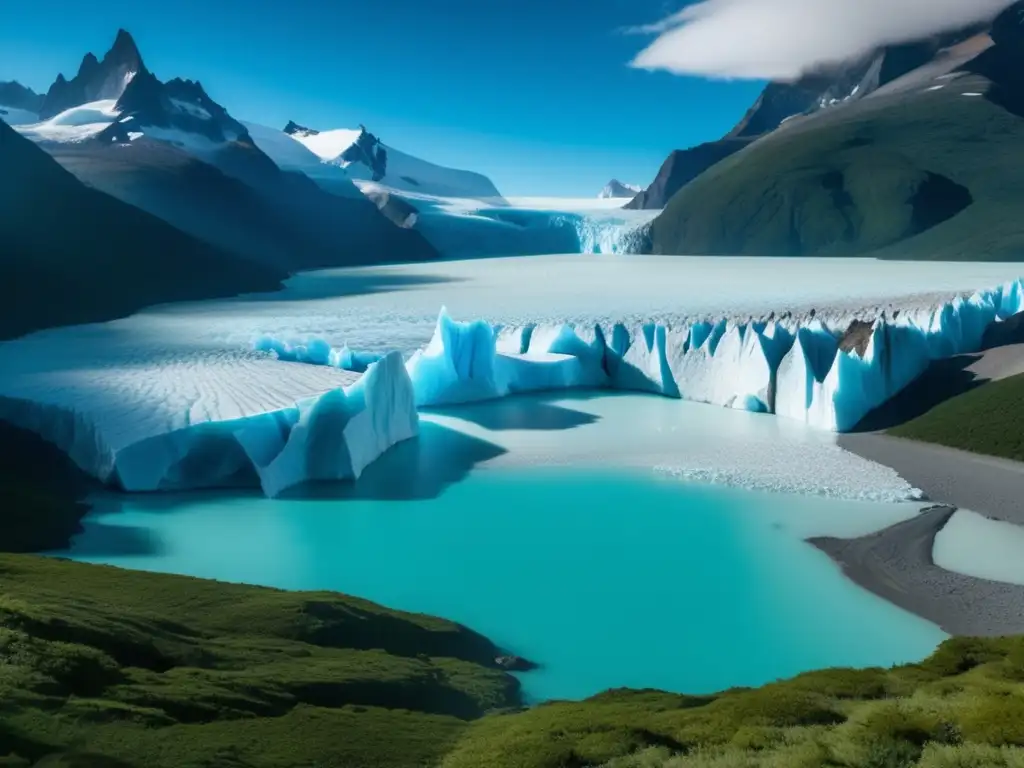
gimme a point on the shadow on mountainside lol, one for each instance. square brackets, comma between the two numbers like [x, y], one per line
[947, 378]
[942, 380]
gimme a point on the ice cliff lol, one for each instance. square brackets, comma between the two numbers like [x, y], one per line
[333, 436]
[188, 413]
[524, 232]
[828, 377]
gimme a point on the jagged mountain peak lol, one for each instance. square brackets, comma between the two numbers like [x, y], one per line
[96, 80]
[180, 105]
[124, 46]
[89, 64]
[616, 188]
[14, 94]
[294, 129]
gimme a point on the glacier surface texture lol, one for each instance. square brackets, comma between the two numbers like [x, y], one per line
[829, 377]
[317, 380]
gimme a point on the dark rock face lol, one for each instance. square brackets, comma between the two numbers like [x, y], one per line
[368, 150]
[14, 94]
[681, 167]
[294, 129]
[178, 104]
[74, 255]
[1003, 63]
[96, 79]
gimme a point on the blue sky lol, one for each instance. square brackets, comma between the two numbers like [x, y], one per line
[537, 94]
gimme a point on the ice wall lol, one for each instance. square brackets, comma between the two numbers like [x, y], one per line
[521, 232]
[827, 376]
[330, 437]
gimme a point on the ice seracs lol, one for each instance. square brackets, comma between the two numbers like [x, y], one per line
[220, 442]
[334, 436]
[799, 368]
[192, 396]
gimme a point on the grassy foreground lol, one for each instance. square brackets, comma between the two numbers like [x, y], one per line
[988, 420]
[106, 667]
[109, 668]
[962, 707]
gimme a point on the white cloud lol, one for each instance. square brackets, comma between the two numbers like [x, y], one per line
[782, 39]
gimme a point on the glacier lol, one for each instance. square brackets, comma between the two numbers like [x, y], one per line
[251, 390]
[798, 368]
[332, 436]
[463, 228]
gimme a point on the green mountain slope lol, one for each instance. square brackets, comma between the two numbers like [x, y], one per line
[929, 175]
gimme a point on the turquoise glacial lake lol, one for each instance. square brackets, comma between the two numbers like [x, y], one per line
[607, 578]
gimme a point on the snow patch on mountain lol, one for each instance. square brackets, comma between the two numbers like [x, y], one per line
[75, 124]
[357, 152]
[291, 155]
[14, 116]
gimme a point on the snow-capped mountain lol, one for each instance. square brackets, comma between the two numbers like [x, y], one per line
[170, 149]
[96, 80]
[365, 158]
[74, 255]
[291, 155]
[18, 104]
[616, 188]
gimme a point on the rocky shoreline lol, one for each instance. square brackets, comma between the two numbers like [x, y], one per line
[896, 564]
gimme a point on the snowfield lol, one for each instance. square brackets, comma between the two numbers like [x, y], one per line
[14, 116]
[179, 396]
[75, 124]
[291, 155]
[404, 172]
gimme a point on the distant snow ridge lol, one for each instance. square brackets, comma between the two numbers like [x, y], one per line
[616, 188]
[800, 369]
[330, 437]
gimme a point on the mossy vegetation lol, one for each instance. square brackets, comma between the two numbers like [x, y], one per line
[988, 420]
[961, 707]
[920, 176]
[106, 667]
